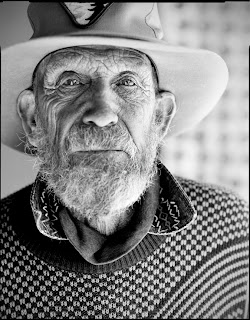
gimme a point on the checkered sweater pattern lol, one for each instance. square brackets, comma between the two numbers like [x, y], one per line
[200, 272]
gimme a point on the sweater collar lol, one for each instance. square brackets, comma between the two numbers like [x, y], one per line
[173, 212]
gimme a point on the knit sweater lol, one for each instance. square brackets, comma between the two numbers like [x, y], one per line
[199, 272]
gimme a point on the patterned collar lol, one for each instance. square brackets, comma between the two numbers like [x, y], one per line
[174, 213]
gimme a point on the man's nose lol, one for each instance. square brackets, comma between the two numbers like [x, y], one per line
[100, 113]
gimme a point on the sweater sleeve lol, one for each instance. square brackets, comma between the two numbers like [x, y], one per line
[222, 228]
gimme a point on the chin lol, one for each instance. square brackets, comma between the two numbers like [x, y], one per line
[99, 196]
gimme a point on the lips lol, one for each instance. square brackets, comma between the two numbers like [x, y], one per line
[97, 152]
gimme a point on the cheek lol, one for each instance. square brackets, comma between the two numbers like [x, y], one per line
[138, 120]
[55, 117]
[136, 104]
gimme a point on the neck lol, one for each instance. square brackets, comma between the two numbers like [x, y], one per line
[111, 222]
[106, 224]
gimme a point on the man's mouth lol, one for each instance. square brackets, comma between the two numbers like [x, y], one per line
[98, 155]
[98, 150]
[101, 151]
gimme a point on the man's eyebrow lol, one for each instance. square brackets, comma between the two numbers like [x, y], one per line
[54, 66]
[54, 70]
[127, 72]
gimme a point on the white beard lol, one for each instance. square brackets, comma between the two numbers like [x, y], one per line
[99, 187]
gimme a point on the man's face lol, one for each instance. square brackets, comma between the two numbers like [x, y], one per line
[97, 138]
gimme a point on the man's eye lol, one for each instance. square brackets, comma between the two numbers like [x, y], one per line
[127, 83]
[71, 82]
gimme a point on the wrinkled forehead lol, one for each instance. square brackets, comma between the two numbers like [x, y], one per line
[107, 55]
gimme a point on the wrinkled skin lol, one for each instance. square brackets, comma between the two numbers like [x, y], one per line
[103, 77]
[97, 128]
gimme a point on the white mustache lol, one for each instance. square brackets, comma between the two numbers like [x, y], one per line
[92, 138]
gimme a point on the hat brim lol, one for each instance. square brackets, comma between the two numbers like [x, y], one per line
[196, 77]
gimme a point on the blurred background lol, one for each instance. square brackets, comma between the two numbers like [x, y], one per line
[217, 150]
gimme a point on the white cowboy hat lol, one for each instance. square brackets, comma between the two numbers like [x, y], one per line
[196, 77]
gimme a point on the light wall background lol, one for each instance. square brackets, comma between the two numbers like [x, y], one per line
[217, 150]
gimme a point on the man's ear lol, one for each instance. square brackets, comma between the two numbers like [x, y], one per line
[26, 110]
[165, 111]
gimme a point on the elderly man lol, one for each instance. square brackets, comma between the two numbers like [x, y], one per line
[105, 230]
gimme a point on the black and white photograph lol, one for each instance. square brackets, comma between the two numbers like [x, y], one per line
[124, 160]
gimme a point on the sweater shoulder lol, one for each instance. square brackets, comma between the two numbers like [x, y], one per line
[212, 194]
[217, 205]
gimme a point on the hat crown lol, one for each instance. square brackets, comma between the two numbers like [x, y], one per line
[57, 18]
